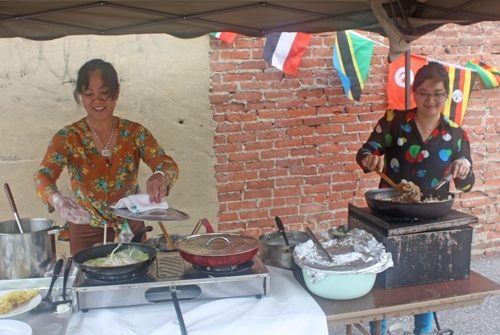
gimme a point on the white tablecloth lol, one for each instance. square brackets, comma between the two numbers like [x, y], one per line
[289, 310]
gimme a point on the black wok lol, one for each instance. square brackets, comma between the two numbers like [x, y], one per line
[426, 210]
[114, 272]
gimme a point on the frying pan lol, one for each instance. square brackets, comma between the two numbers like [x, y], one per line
[426, 210]
[113, 272]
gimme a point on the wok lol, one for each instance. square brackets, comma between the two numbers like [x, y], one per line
[113, 272]
[426, 210]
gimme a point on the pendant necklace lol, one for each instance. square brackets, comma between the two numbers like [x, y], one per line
[105, 152]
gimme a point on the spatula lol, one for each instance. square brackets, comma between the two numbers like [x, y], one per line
[397, 187]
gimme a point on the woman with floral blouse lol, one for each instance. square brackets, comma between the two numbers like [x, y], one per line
[420, 145]
[102, 153]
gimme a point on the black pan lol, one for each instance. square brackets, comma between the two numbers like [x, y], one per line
[427, 210]
[114, 272]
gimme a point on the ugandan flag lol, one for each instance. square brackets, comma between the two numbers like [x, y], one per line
[225, 36]
[461, 83]
[351, 57]
[489, 75]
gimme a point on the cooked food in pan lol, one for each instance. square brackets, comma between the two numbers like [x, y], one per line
[411, 193]
[13, 299]
[125, 257]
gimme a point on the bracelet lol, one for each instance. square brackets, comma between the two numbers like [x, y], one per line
[163, 173]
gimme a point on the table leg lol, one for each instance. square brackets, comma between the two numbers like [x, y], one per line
[348, 329]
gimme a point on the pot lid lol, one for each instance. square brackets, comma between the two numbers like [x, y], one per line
[217, 244]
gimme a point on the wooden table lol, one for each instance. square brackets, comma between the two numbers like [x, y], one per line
[383, 303]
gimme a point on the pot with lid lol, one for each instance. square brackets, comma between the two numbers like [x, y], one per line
[30, 254]
[217, 249]
[275, 252]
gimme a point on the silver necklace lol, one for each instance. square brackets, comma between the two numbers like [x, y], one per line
[105, 152]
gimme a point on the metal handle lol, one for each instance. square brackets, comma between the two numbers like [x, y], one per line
[281, 228]
[55, 275]
[178, 311]
[55, 230]
[69, 261]
[218, 237]
[318, 244]
[13, 206]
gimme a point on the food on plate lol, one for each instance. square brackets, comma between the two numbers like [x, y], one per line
[13, 299]
[125, 257]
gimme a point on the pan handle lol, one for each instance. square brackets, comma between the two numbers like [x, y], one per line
[215, 238]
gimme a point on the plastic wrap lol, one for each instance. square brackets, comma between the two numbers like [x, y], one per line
[357, 253]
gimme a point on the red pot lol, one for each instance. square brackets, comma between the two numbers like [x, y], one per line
[217, 249]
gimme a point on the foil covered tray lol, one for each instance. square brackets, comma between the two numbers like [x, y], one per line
[165, 215]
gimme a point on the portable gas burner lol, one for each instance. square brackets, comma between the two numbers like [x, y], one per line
[170, 272]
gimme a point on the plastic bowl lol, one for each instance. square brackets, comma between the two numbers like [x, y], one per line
[340, 286]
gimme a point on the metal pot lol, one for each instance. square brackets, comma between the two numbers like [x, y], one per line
[27, 255]
[217, 249]
[273, 250]
[424, 210]
[160, 242]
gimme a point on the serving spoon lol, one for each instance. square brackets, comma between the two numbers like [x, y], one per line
[397, 187]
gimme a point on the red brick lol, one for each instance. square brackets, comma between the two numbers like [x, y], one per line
[242, 117]
[249, 137]
[257, 126]
[230, 108]
[247, 156]
[256, 185]
[284, 211]
[227, 217]
[261, 105]
[247, 96]
[259, 165]
[227, 148]
[231, 77]
[301, 112]
[309, 93]
[233, 187]
[236, 176]
[268, 76]
[267, 154]
[254, 65]
[317, 121]
[220, 67]
[291, 143]
[228, 168]
[267, 135]
[253, 215]
[257, 194]
[278, 95]
[228, 128]
[219, 98]
[295, 103]
[234, 54]
[301, 131]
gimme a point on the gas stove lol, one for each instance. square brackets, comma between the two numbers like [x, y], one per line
[171, 272]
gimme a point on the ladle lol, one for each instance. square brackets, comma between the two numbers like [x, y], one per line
[281, 228]
[318, 243]
[13, 206]
[397, 187]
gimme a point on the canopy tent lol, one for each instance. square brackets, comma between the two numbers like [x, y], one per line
[401, 20]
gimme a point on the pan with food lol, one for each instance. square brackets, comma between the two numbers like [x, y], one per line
[115, 261]
[435, 203]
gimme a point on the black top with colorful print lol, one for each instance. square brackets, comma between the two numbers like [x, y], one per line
[408, 156]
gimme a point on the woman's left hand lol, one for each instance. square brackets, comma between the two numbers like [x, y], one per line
[157, 186]
[460, 168]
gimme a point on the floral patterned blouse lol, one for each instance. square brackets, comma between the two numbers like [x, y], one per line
[408, 156]
[96, 183]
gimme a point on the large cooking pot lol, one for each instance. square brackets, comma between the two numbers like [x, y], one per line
[274, 251]
[160, 242]
[425, 210]
[113, 272]
[27, 255]
[217, 249]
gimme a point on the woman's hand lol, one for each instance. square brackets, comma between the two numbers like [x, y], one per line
[373, 162]
[460, 168]
[68, 209]
[157, 186]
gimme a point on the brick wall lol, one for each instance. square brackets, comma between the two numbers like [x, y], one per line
[286, 145]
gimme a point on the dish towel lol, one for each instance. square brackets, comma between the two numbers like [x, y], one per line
[139, 203]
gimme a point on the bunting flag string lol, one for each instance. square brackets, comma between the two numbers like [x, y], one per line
[351, 57]
[489, 75]
[461, 84]
[225, 36]
[284, 50]
[396, 87]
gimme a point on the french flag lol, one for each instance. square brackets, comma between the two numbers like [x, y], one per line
[284, 50]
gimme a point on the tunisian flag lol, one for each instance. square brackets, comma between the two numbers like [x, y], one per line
[396, 86]
[284, 50]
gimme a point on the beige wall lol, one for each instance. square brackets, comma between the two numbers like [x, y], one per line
[164, 86]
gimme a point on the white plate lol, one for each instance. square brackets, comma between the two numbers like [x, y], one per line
[22, 308]
[13, 327]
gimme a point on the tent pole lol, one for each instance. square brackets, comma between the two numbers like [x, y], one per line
[407, 79]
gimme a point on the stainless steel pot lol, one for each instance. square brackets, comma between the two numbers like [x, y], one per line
[160, 242]
[27, 255]
[274, 251]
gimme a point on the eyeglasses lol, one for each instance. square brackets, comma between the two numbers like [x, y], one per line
[436, 96]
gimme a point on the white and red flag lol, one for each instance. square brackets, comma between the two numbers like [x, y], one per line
[284, 50]
[225, 36]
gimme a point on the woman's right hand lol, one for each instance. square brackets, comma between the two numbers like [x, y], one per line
[373, 162]
[69, 209]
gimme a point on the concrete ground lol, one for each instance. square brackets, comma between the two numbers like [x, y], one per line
[475, 320]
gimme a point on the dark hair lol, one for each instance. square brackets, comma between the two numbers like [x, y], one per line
[433, 71]
[109, 77]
